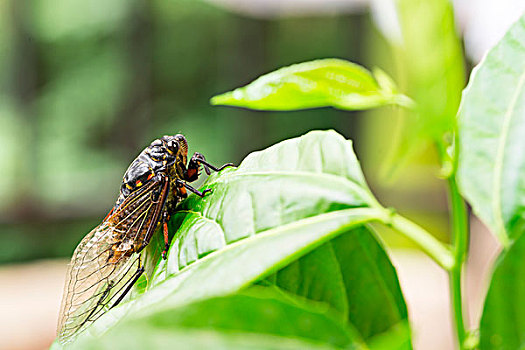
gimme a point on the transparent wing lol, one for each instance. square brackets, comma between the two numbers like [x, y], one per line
[93, 284]
[107, 261]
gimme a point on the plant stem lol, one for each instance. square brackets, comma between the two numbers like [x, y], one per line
[460, 242]
[437, 250]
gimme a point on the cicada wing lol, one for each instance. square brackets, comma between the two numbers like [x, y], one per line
[100, 273]
[93, 282]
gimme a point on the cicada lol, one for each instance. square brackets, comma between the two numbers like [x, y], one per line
[107, 262]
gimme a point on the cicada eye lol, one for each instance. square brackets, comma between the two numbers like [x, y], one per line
[173, 146]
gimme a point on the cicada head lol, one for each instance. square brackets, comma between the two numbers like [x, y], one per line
[177, 146]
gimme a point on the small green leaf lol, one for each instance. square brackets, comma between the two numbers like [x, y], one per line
[491, 137]
[503, 321]
[320, 83]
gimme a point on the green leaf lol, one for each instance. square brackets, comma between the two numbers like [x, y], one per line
[256, 310]
[428, 63]
[320, 83]
[491, 137]
[236, 266]
[147, 336]
[503, 321]
[295, 179]
[353, 274]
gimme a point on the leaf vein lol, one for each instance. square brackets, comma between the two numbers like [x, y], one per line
[498, 169]
[354, 186]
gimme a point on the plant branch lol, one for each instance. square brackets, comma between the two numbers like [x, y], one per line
[438, 251]
[460, 243]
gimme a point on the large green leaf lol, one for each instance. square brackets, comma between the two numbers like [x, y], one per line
[491, 137]
[353, 274]
[295, 179]
[503, 321]
[320, 83]
[147, 336]
[257, 310]
[277, 206]
[236, 266]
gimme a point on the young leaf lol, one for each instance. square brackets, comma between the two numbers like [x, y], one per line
[503, 322]
[491, 137]
[321, 83]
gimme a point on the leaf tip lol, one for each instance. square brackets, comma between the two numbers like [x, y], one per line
[222, 99]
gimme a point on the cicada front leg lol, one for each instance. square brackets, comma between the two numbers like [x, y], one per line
[192, 173]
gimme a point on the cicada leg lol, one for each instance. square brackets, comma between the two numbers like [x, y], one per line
[181, 184]
[99, 302]
[194, 164]
[165, 219]
[135, 278]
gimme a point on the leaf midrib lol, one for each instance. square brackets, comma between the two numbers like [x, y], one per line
[498, 174]
[368, 214]
[358, 188]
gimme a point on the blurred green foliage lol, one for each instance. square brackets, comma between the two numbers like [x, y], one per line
[85, 86]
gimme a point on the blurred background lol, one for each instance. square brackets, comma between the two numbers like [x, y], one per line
[86, 85]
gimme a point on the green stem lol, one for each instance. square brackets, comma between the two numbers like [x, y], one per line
[437, 250]
[460, 242]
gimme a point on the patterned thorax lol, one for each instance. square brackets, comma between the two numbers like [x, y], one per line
[162, 155]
